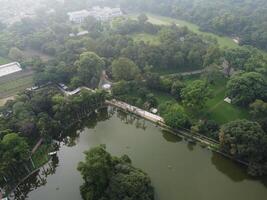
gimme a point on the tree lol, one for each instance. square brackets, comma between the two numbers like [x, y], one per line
[176, 89]
[124, 69]
[174, 115]
[142, 18]
[245, 140]
[13, 152]
[212, 74]
[258, 111]
[112, 178]
[212, 56]
[246, 88]
[195, 95]
[16, 54]
[89, 66]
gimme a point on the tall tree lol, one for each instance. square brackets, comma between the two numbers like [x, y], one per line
[124, 69]
[195, 95]
[246, 88]
[89, 67]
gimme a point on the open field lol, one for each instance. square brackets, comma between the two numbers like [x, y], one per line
[221, 111]
[12, 84]
[4, 60]
[160, 20]
[216, 108]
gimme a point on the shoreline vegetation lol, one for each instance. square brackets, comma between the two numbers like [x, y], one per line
[173, 71]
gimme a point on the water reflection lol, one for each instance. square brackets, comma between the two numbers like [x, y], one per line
[36, 180]
[170, 137]
[178, 173]
[69, 138]
[236, 174]
[131, 119]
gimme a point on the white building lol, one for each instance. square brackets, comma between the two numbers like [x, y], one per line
[78, 16]
[106, 13]
[102, 14]
[9, 68]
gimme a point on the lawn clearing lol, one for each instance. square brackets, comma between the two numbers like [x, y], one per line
[4, 60]
[15, 83]
[160, 20]
[221, 111]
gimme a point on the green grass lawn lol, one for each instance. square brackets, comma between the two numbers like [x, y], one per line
[147, 38]
[216, 109]
[4, 60]
[221, 111]
[160, 20]
[12, 87]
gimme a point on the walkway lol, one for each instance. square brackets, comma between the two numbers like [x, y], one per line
[142, 113]
[194, 72]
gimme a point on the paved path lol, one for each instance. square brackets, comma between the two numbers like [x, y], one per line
[200, 71]
[142, 113]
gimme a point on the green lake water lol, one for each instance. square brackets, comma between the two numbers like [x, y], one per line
[178, 170]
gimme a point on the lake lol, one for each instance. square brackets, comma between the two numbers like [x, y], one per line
[178, 169]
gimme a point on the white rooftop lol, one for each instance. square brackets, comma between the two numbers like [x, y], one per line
[9, 68]
[80, 13]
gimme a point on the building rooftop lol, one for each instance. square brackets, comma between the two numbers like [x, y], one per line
[9, 68]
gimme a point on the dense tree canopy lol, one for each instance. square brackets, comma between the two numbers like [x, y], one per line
[112, 178]
[195, 94]
[245, 88]
[89, 67]
[174, 115]
[246, 140]
[124, 69]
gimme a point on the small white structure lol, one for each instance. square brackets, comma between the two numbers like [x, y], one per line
[63, 86]
[228, 100]
[106, 86]
[154, 110]
[82, 33]
[52, 153]
[78, 16]
[76, 91]
[9, 68]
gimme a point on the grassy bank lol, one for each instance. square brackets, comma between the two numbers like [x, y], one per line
[4, 60]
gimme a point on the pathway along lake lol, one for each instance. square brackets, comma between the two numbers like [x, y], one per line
[179, 170]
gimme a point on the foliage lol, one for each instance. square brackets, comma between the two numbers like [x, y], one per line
[89, 67]
[14, 151]
[258, 110]
[174, 115]
[124, 69]
[195, 95]
[112, 178]
[246, 88]
[246, 140]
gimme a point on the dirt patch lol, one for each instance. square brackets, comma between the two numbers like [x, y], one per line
[3, 101]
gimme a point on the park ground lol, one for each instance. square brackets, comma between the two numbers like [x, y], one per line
[160, 20]
[13, 84]
[216, 108]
